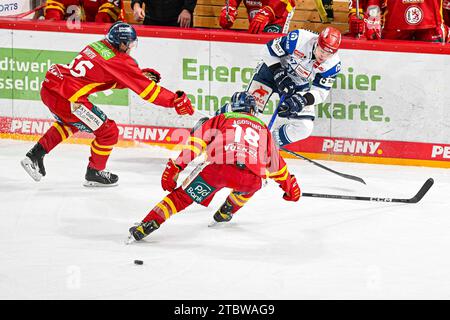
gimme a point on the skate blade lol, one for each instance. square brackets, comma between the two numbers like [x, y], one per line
[215, 224]
[130, 240]
[93, 184]
[27, 164]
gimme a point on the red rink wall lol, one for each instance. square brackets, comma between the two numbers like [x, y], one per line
[390, 106]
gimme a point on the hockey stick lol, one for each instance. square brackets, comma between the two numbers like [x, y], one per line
[275, 113]
[419, 195]
[343, 175]
[227, 4]
[347, 176]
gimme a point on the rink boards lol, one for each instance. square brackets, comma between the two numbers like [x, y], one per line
[389, 105]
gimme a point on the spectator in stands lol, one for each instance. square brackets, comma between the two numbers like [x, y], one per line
[403, 20]
[106, 11]
[263, 16]
[176, 13]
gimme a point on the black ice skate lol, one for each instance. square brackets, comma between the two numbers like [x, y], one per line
[142, 230]
[34, 162]
[223, 214]
[100, 178]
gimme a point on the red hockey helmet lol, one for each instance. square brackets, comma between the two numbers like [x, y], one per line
[329, 39]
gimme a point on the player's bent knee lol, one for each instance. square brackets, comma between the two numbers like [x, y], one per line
[108, 132]
[297, 130]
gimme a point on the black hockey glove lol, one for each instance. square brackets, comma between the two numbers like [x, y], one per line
[292, 106]
[284, 83]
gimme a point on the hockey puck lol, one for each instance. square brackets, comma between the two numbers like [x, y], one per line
[138, 262]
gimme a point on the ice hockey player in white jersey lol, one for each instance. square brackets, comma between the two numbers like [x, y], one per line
[302, 66]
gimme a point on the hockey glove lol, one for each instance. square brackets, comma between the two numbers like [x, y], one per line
[356, 26]
[152, 74]
[373, 23]
[284, 83]
[182, 104]
[227, 23]
[291, 189]
[261, 20]
[170, 176]
[292, 106]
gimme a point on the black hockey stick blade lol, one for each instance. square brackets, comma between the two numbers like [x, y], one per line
[343, 175]
[419, 195]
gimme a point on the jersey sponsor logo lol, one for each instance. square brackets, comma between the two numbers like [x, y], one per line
[327, 82]
[301, 71]
[351, 146]
[439, 151]
[253, 3]
[293, 36]
[88, 52]
[298, 54]
[261, 93]
[413, 15]
[198, 190]
[54, 70]
[88, 117]
[276, 47]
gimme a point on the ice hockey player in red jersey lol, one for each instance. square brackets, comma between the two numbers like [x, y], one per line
[404, 19]
[240, 153]
[263, 15]
[102, 65]
[106, 11]
[364, 19]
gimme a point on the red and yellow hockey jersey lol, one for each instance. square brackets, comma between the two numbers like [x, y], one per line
[99, 67]
[93, 10]
[406, 14]
[236, 138]
[280, 8]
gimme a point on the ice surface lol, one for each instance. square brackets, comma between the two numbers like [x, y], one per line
[61, 240]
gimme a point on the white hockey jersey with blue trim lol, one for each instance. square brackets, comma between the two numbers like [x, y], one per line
[295, 52]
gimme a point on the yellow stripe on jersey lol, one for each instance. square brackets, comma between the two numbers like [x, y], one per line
[164, 209]
[60, 130]
[198, 140]
[284, 177]
[193, 149]
[288, 6]
[171, 205]
[55, 5]
[100, 152]
[236, 200]
[281, 171]
[147, 90]
[155, 94]
[83, 91]
[101, 146]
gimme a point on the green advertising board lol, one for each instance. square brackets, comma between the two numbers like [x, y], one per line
[23, 70]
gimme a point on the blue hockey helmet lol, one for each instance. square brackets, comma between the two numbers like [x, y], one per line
[121, 32]
[243, 102]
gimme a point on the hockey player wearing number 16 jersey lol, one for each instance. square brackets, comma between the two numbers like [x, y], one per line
[240, 153]
[102, 65]
[302, 66]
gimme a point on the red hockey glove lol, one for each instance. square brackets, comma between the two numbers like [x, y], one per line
[291, 189]
[356, 26]
[152, 74]
[373, 23]
[170, 176]
[261, 20]
[182, 104]
[232, 14]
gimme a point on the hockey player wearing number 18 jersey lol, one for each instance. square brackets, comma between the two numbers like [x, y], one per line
[240, 153]
[102, 65]
[302, 66]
